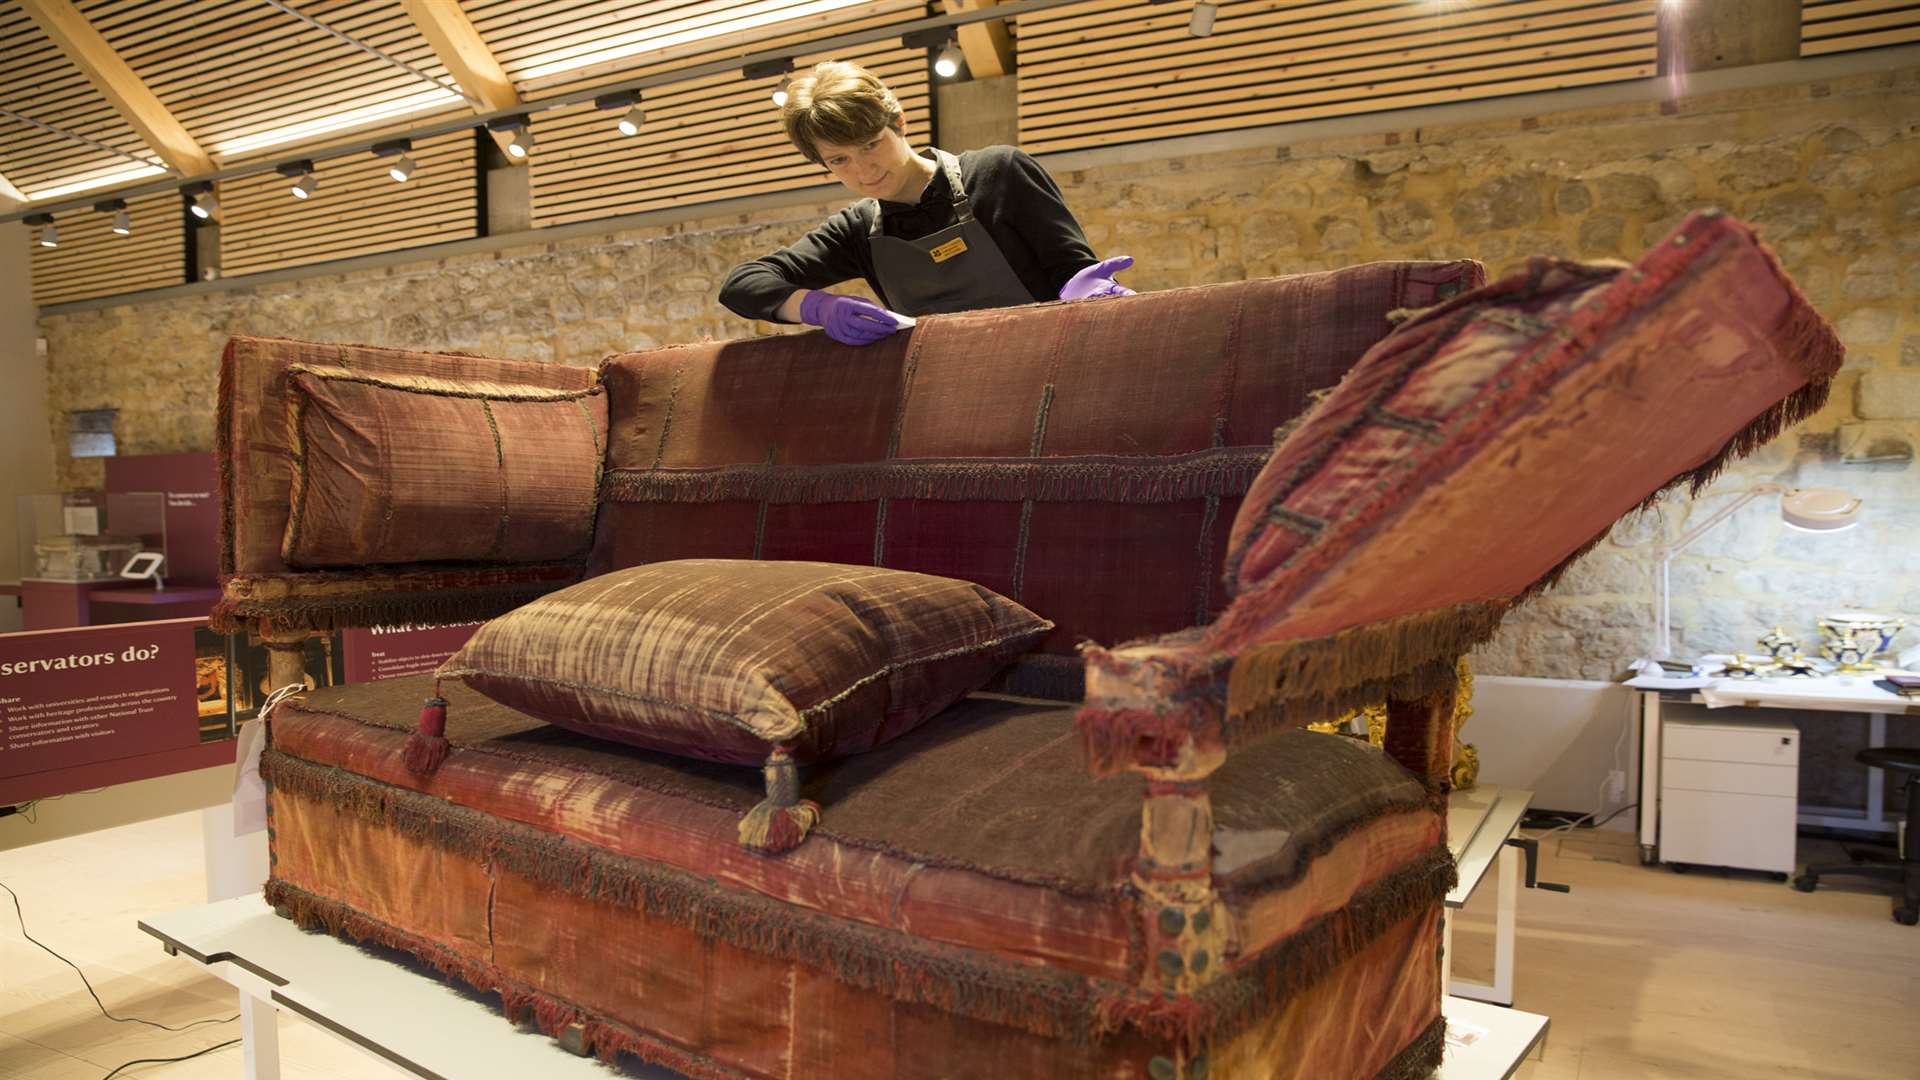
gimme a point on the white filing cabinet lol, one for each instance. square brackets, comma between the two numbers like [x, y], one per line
[1729, 792]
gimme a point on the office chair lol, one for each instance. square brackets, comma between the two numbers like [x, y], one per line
[1905, 870]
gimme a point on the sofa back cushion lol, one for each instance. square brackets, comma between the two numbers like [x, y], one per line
[409, 468]
[255, 439]
[1082, 459]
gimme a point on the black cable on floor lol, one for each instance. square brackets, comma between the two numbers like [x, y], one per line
[168, 1061]
[96, 997]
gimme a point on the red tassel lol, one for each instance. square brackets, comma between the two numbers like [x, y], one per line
[427, 747]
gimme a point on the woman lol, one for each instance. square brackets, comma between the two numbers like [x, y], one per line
[930, 234]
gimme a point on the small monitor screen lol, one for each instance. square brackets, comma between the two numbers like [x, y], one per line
[142, 566]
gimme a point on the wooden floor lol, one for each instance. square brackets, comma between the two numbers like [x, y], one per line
[1646, 973]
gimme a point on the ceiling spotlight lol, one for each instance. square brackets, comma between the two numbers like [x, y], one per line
[1201, 25]
[200, 200]
[401, 170]
[122, 224]
[306, 183]
[947, 64]
[522, 142]
[631, 122]
[767, 69]
[49, 234]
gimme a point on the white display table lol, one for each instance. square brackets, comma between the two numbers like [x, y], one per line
[1480, 821]
[420, 1025]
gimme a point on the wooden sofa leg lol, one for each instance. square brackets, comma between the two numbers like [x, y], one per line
[1420, 735]
[286, 657]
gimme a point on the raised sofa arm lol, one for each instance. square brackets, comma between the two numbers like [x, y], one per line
[1456, 470]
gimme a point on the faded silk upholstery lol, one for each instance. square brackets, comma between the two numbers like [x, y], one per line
[1465, 461]
[725, 659]
[970, 902]
[410, 468]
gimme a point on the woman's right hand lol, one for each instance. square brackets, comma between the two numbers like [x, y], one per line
[848, 320]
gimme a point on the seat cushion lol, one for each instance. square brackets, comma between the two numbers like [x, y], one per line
[729, 659]
[981, 829]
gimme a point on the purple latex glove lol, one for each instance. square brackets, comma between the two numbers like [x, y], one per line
[1097, 280]
[848, 320]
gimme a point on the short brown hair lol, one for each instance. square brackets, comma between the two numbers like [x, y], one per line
[839, 103]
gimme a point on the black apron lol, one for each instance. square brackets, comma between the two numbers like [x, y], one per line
[958, 268]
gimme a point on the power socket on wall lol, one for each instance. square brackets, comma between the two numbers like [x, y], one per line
[1616, 786]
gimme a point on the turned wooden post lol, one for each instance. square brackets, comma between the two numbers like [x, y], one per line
[1420, 734]
[286, 657]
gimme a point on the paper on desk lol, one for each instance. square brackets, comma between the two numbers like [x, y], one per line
[1461, 1033]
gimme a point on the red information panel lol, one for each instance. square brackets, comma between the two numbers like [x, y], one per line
[97, 693]
[389, 654]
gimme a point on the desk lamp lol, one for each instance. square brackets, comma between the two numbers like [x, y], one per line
[1817, 510]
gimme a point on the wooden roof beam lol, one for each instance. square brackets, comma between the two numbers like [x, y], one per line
[110, 75]
[987, 45]
[9, 193]
[466, 56]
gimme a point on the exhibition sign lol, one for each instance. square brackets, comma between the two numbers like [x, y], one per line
[70, 699]
[377, 654]
[85, 707]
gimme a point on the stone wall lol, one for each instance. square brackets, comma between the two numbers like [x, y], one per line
[1831, 170]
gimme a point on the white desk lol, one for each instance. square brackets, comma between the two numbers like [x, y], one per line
[1480, 821]
[1847, 694]
[1501, 1040]
[417, 1024]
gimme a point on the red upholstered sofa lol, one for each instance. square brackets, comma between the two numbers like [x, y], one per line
[1167, 880]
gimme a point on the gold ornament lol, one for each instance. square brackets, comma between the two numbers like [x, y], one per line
[1466, 760]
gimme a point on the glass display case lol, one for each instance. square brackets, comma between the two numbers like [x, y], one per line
[89, 535]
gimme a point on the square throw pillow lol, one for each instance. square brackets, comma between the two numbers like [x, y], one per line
[755, 662]
[410, 468]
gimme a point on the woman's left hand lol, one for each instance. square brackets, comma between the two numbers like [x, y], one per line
[1097, 280]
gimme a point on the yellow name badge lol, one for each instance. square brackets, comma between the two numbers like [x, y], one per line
[948, 250]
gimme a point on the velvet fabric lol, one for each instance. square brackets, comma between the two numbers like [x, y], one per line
[1030, 450]
[393, 468]
[727, 660]
[1459, 466]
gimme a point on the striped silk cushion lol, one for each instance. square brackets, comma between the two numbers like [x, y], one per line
[411, 468]
[726, 659]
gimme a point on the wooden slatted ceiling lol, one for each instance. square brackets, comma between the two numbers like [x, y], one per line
[1830, 26]
[92, 261]
[1117, 71]
[36, 80]
[529, 35]
[358, 210]
[227, 69]
[708, 139]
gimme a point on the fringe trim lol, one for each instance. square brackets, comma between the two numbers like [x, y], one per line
[1265, 983]
[1421, 1056]
[1167, 478]
[328, 613]
[1338, 667]
[607, 1038]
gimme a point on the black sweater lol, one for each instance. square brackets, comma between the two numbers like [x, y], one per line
[1011, 195]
